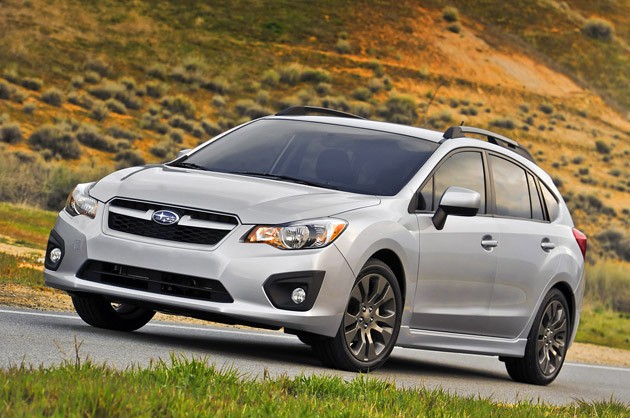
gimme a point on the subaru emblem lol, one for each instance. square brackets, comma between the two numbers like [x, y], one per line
[165, 217]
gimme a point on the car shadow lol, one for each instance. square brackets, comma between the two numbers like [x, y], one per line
[275, 351]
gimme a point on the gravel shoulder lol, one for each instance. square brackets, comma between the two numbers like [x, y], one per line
[47, 299]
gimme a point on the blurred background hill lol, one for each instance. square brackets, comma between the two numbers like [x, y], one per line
[88, 87]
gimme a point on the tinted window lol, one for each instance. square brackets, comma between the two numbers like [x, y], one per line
[464, 169]
[426, 196]
[537, 210]
[510, 188]
[551, 202]
[337, 157]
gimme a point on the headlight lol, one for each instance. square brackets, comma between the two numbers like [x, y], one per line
[80, 203]
[310, 234]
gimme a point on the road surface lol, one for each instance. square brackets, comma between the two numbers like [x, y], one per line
[48, 338]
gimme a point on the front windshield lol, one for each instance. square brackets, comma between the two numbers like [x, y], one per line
[336, 157]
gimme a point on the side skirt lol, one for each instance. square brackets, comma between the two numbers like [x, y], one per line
[461, 343]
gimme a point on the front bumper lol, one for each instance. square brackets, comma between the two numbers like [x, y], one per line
[241, 268]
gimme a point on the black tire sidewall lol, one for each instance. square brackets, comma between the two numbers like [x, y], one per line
[372, 267]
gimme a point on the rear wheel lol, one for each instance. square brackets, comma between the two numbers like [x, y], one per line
[370, 325]
[99, 312]
[546, 345]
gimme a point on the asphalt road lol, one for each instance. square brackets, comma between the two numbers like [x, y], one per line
[48, 338]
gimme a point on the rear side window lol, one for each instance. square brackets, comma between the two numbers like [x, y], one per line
[464, 169]
[550, 202]
[511, 189]
[537, 210]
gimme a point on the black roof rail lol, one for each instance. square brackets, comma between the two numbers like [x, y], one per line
[493, 138]
[305, 110]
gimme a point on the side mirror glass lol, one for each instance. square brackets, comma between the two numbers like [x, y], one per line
[456, 201]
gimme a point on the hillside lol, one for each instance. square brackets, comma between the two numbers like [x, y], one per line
[88, 87]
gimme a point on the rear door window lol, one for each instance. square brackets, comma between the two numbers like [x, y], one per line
[510, 188]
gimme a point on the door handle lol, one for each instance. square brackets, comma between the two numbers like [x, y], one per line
[547, 245]
[487, 242]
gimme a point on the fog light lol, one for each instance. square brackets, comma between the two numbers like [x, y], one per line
[55, 255]
[298, 296]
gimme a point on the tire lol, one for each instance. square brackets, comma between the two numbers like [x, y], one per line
[370, 325]
[546, 344]
[99, 312]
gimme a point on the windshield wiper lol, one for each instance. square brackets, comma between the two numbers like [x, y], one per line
[190, 165]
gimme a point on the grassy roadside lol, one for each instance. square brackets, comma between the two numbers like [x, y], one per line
[193, 388]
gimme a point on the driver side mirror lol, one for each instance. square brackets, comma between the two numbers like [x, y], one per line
[456, 201]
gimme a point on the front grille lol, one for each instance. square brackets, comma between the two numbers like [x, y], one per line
[178, 233]
[154, 281]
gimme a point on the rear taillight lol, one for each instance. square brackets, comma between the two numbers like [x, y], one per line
[581, 240]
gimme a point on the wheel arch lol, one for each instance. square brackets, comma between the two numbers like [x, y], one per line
[392, 260]
[567, 292]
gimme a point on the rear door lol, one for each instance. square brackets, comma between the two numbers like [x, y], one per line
[456, 271]
[527, 246]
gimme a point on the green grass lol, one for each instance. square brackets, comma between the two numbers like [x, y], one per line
[192, 388]
[604, 327]
[29, 227]
[12, 272]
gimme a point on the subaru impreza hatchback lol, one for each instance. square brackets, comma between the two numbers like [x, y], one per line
[355, 235]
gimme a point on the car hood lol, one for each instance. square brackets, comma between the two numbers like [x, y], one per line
[253, 200]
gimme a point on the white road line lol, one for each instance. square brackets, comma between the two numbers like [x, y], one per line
[254, 333]
[158, 325]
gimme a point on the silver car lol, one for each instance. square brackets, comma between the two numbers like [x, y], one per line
[354, 235]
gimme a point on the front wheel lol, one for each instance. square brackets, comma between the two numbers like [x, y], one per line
[101, 313]
[370, 324]
[546, 345]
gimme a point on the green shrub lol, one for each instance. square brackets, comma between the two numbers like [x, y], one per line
[178, 121]
[602, 147]
[91, 136]
[210, 127]
[58, 139]
[291, 74]
[375, 85]
[32, 83]
[343, 46]
[546, 108]
[218, 85]
[6, 90]
[99, 112]
[92, 77]
[454, 27]
[323, 89]
[506, 123]
[129, 83]
[441, 119]
[10, 133]
[583, 171]
[77, 81]
[523, 108]
[270, 78]
[307, 97]
[251, 109]
[471, 111]
[365, 110]
[157, 71]
[176, 136]
[362, 93]
[155, 89]
[128, 158]
[262, 97]
[387, 82]
[179, 104]
[337, 103]
[11, 75]
[400, 108]
[376, 67]
[116, 106]
[80, 100]
[450, 14]
[106, 90]
[599, 29]
[153, 123]
[19, 97]
[615, 241]
[578, 159]
[97, 65]
[315, 75]
[53, 97]
[160, 150]
[121, 133]
[218, 101]
[29, 108]
[128, 100]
